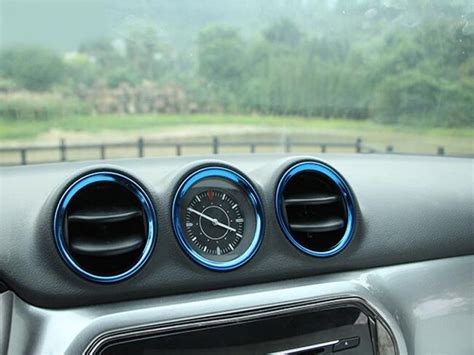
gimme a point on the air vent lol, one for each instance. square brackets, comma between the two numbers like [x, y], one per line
[315, 209]
[105, 227]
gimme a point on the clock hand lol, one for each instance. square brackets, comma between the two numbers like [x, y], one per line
[213, 220]
[225, 226]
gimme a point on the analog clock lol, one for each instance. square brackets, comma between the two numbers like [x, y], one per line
[217, 217]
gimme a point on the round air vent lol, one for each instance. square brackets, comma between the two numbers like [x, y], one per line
[105, 227]
[315, 209]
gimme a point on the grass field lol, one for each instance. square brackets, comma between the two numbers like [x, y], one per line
[27, 129]
[176, 128]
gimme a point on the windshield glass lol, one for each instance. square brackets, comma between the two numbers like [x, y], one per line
[99, 79]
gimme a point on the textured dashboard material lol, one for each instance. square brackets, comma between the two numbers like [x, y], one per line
[408, 209]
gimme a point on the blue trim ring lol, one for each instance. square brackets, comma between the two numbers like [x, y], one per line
[348, 204]
[232, 176]
[60, 213]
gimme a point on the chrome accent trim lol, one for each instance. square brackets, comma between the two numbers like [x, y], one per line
[305, 348]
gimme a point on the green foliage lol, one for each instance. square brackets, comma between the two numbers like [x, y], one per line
[308, 78]
[366, 64]
[120, 75]
[80, 70]
[7, 85]
[417, 99]
[424, 77]
[101, 52]
[144, 53]
[39, 106]
[283, 31]
[410, 95]
[456, 106]
[221, 64]
[32, 68]
[136, 57]
[221, 55]
[415, 77]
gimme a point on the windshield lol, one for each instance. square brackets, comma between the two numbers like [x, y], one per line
[100, 79]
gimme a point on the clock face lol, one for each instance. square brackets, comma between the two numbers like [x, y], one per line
[214, 222]
[217, 218]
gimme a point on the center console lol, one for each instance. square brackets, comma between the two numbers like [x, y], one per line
[346, 326]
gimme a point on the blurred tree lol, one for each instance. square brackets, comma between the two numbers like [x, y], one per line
[31, 67]
[421, 77]
[137, 56]
[121, 75]
[80, 70]
[222, 59]
[221, 55]
[145, 55]
[411, 95]
[327, 48]
[102, 52]
[393, 61]
[285, 32]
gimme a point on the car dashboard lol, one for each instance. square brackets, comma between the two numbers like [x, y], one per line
[273, 253]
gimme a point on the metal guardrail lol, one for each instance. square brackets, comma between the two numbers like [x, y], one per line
[215, 144]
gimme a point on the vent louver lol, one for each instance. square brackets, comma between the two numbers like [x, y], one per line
[105, 227]
[315, 209]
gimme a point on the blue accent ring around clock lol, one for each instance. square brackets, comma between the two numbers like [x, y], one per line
[225, 173]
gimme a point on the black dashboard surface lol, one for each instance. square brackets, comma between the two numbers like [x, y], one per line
[408, 209]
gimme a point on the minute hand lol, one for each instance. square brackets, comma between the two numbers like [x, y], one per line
[213, 220]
